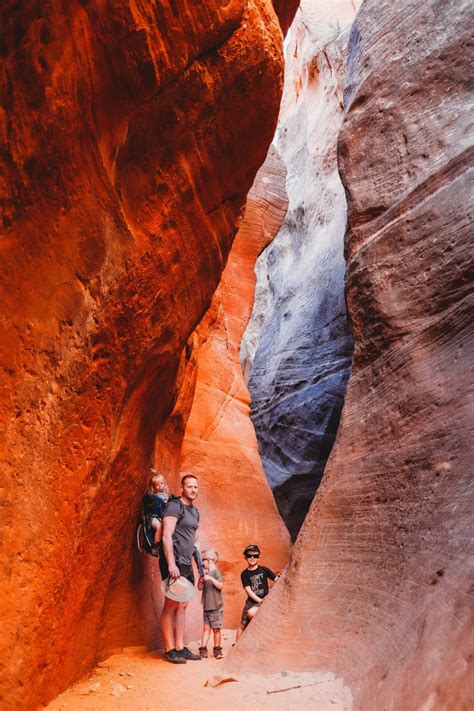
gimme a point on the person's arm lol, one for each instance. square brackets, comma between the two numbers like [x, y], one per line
[198, 561]
[218, 584]
[252, 595]
[271, 575]
[169, 524]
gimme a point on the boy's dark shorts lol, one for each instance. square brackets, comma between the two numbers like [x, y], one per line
[185, 570]
[213, 618]
[245, 619]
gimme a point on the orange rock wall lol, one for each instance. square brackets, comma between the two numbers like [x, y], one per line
[379, 585]
[130, 135]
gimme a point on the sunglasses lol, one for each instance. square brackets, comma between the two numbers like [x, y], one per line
[252, 556]
[208, 559]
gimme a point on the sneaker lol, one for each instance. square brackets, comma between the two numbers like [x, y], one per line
[186, 654]
[218, 652]
[203, 652]
[174, 657]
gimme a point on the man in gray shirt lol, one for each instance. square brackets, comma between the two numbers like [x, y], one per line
[180, 523]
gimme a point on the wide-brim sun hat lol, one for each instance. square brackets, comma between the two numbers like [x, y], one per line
[178, 589]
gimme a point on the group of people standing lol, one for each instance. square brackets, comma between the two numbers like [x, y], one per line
[173, 523]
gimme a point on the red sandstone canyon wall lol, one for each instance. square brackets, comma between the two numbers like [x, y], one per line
[130, 135]
[379, 585]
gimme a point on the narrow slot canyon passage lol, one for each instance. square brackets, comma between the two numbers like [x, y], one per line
[236, 245]
[297, 349]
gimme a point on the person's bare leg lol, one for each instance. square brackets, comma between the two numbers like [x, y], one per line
[168, 624]
[240, 631]
[179, 624]
[252, 612]
[217, 637]
[156, 526]
[206, 633]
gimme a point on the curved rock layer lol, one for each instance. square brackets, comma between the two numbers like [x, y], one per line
[123, 127]
[379, 586]
[298, 342]
[209, 431]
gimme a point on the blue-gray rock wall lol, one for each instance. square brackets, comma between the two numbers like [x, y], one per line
[298, 342]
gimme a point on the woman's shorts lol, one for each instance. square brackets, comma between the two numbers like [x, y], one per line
[185, 570]
[213, 618]
[245, 619]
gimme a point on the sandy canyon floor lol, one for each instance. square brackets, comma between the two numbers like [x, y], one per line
[139, 681]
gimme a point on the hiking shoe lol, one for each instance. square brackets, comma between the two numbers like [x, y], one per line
[203, 652]
[218, 652]
[186, 654]
[174, 657]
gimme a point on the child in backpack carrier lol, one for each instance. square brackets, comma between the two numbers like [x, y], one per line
[154, 503]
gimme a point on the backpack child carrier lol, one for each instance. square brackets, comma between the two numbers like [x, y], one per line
[153, 507]
[145, 534]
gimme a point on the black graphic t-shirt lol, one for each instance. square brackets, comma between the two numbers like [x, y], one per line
[257, 580]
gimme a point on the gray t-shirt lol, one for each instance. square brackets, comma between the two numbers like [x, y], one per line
[184, 536]
[211, 596]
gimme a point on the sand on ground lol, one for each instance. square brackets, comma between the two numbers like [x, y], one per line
[136, 680]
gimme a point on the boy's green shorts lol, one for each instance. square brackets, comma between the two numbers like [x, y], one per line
[213, 618]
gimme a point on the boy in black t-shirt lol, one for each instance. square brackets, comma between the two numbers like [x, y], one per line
[255, 581]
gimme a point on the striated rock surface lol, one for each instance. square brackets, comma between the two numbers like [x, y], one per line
[130, 134]
[298, 343]
[379, 587]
